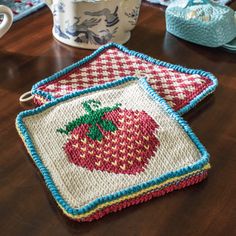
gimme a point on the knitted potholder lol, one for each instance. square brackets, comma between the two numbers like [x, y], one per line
[111, 146]
[22, 8]
[167, 2]
[182, 88]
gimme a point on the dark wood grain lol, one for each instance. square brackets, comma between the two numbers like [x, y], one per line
[28, 53]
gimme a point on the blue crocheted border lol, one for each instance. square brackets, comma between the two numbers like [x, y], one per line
[28, 11]
[192, 103]
[47, 176]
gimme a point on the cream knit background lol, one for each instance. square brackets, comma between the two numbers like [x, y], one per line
[79, 186]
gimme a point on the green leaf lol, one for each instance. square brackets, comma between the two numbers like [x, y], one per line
[107, 125]
[93, 118]
[94, 133]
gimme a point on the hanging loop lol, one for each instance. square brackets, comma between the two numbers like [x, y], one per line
[25, 97]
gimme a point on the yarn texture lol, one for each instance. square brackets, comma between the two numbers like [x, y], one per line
[182, 88]
[22, 8]
[111, 146]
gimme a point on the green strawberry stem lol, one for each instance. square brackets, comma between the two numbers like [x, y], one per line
[93, 118]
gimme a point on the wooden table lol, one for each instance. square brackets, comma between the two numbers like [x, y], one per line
[28, 53]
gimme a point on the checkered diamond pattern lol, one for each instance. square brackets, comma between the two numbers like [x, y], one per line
[178, 89]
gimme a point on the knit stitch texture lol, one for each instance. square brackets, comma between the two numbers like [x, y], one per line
[182, 88]
[111, 146]
[22, 8]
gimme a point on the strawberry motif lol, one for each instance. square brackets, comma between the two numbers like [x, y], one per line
[111, 139]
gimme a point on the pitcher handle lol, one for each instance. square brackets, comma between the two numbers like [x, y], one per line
[7, 19]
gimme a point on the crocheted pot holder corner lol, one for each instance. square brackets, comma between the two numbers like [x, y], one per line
[22, 8]
[182, 88]
[111, 146]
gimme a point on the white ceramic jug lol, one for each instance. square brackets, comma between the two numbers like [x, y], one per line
[92, 23]
[7, 19]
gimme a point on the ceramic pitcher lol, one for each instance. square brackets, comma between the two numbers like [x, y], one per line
[7, 19]
[92, 23]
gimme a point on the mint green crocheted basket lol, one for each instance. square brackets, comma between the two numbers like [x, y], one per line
[201, 22]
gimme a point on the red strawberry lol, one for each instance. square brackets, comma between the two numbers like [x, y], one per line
[111, 139]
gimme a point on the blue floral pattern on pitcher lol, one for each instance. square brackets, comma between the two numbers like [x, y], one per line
[89, 25]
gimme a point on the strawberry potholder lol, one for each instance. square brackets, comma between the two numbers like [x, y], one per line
[111, 146]
[182, 88]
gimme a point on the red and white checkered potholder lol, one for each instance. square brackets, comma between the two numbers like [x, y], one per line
[182, 88]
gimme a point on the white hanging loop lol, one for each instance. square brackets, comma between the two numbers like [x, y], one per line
[25, 97]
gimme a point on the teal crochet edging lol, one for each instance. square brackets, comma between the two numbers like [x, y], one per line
[193, 103]
[29, 11]
[46, 174]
